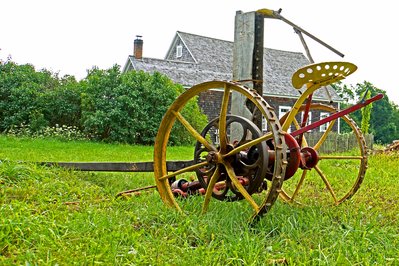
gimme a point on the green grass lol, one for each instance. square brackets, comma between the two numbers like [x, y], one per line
[52, 216]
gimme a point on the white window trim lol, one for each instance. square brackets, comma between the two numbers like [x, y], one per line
[281, 113]
[309, 121]
[324, 127]
[179, 51]
[264, 124]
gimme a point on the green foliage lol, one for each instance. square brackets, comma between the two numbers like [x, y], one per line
[366, 114]
[129, 107]
[20, 89]
[62, 104]
[107, 105]
[384, 116]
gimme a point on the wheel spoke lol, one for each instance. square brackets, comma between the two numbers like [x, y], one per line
[340, 190]
[248, 144]
[298, 187]
[222, 119]
[184, 170]
[209, 189]
[324, 136]
[327, 183]
[296, 124]
[194, 132]
[239, 186]
[211, 165]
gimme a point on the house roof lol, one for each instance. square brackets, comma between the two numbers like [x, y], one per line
[212, 59]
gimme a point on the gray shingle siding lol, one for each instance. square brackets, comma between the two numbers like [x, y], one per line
[205, 59]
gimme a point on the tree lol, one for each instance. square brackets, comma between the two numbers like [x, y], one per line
[366, 113]
[383, 118]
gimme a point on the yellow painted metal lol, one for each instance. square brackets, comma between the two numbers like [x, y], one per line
[288, 198]
[322, 74]
[328, 185]
[193, 132]
[222, 120]
[267, 13]
[211, 184]
[237, 184]
[248, 145]
[221, 156]
[315, 76]
[312, 77]
[184, 170]
[324, 136]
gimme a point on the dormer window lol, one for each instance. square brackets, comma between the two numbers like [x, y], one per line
[179, 51]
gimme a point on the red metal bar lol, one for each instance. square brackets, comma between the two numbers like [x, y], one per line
[337, 115]
[305, 117]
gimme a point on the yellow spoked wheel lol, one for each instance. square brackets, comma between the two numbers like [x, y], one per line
[336, 176]
[230, 159]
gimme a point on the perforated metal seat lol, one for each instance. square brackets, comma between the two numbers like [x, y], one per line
[322, 74]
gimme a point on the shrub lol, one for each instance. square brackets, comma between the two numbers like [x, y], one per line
[106, 106]
[129, 107]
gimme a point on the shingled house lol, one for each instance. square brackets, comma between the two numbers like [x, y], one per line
[193, 59]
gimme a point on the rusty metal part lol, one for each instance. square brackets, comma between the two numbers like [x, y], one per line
[184, 188]
[309, 158]
[251, 163]
[223, 154]
[294, 156]
[333, 185]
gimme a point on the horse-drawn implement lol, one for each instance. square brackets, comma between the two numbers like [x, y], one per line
[236, 158]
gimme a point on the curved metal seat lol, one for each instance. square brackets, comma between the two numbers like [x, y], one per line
[322, 74]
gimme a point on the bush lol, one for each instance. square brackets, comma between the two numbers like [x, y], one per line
[129, 107]
[106, 106]
[20, 90]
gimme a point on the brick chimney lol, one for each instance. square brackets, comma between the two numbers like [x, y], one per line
[138, 47]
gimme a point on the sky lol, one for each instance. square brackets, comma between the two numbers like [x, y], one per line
[72, 36]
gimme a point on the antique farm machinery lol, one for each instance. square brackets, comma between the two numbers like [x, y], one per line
[234, 168]
[235, 160]
[237, 157]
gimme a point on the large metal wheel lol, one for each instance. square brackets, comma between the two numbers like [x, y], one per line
[336, 177]
[228, 167]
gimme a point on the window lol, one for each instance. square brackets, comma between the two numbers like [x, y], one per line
[282, 110]
[309, 121]
[179, 51]
[324, 127]
[264, 124]
[217, 140]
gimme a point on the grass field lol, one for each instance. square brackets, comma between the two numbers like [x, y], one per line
[52, 216]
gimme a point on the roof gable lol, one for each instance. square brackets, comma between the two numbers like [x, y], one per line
[186, 54]
[207, 59]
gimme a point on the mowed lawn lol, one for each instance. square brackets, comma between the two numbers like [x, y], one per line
[54, 216]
